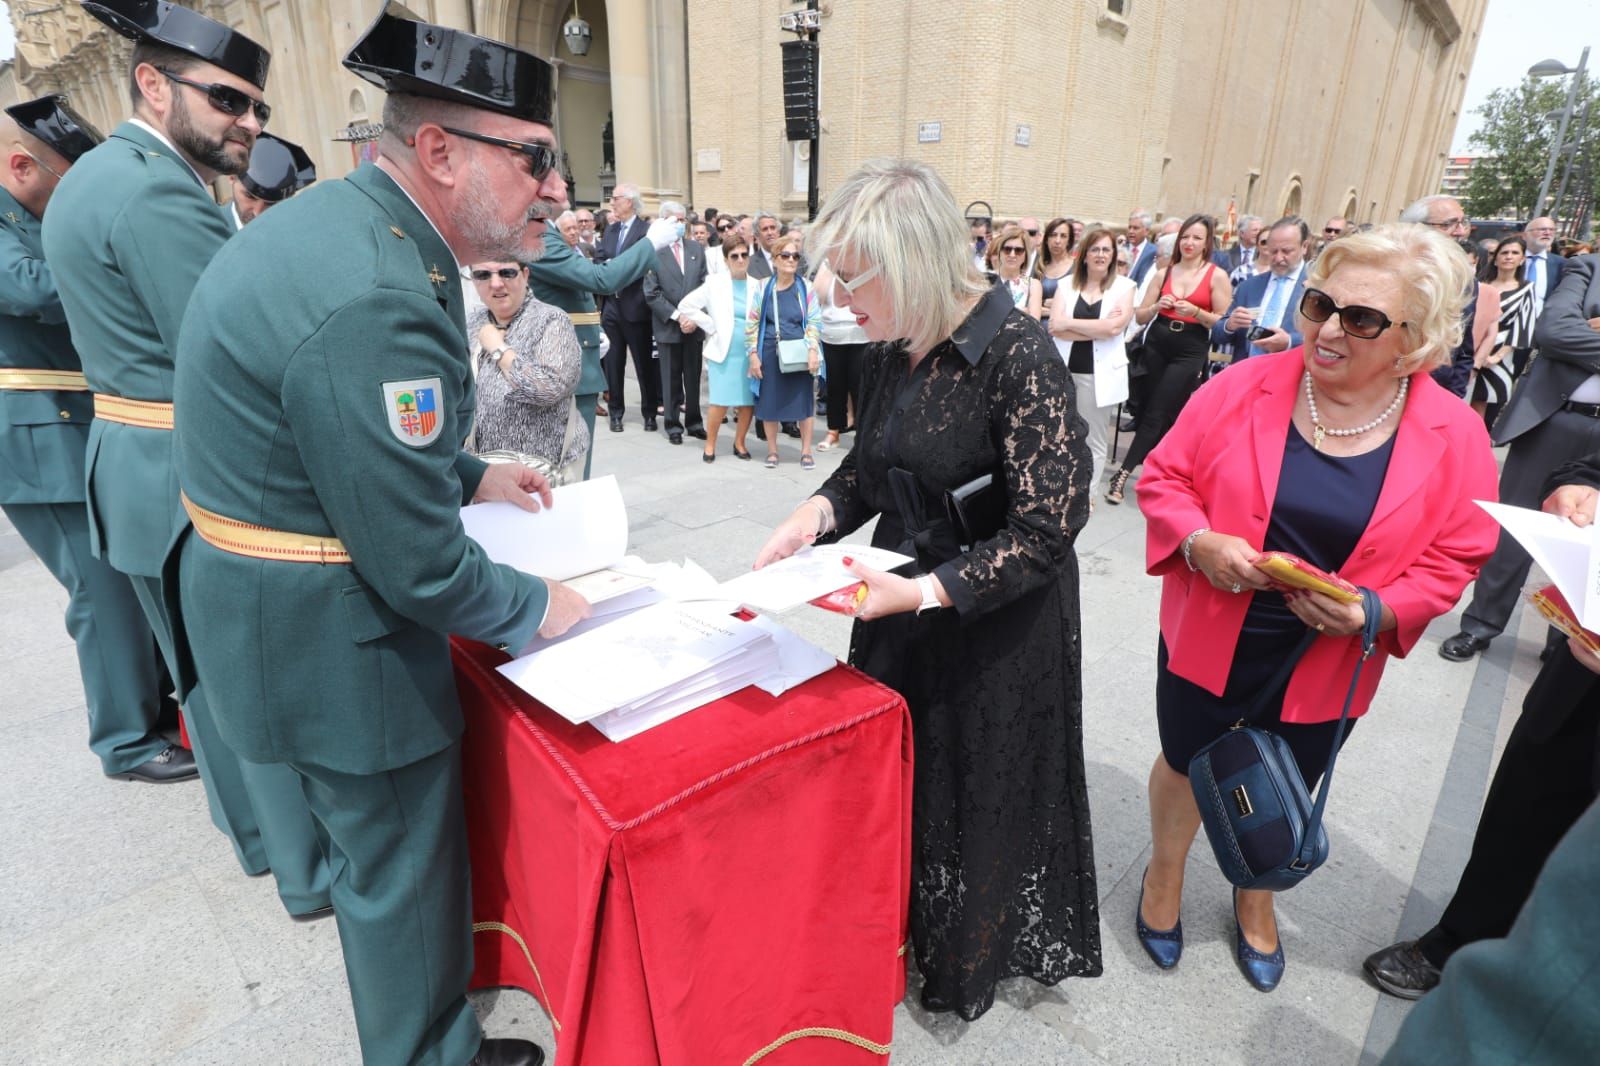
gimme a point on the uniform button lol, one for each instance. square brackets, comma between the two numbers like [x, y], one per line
[1367, 553]
[65, 414]
[501, 647]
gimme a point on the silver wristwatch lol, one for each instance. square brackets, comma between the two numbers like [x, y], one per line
[930, 598]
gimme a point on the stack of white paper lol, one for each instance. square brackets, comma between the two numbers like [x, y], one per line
[581, 540]
[806, 575]
[647, 667]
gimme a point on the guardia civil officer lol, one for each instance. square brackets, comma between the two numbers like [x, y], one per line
[44, 431]
[563, 278]
[128, 232]
[278, 169]
[320, 422]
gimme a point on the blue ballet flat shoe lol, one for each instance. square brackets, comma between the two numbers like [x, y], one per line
[1164, 946]
[1261, 970]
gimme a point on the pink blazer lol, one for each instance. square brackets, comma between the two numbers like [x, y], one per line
[1218, 467]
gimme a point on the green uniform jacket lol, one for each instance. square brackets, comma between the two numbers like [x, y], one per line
[128, 232]
[563, 278]
[301, 407]
[43, 433]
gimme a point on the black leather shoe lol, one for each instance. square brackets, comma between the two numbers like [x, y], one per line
[761, 431]
[616, 423]
[1402, 970]
[507, 1052]
[1462, 647]
[674, 436]
[650, 424]
[171, 764]
[791, 429]
[697, 432]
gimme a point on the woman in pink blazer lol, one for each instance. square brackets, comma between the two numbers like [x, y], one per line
[1345, 453]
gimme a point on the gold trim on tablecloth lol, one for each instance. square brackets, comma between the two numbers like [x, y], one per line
[830, 1034]
[501, 927]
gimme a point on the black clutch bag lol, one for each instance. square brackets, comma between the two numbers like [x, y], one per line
[977, 510]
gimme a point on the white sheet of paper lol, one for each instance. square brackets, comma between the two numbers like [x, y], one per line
[584, 531]
[664, 645]
[1563, 551]
[807, 574]
[799, 660]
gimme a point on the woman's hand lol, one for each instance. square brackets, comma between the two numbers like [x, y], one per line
[1325, 614]
[1184, 308]
[1166, 302]
[490, 337]
[755, 367]
[1586, 658]
[802, 527]
[1228, 562]
[886, 593]
[813, 360]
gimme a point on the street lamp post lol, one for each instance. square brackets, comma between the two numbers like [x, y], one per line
[1554, 68]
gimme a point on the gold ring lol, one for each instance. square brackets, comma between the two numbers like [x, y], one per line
[1320, 627]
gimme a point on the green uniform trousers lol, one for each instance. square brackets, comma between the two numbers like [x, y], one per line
[117, 655]
[587, 402]
[397, 846]
[258, 807]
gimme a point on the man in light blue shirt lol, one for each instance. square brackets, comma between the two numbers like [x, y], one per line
[1261, 317]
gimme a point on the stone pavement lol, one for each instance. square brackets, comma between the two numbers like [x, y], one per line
[128, 934]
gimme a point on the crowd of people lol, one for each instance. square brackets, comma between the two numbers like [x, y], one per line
[211, 466]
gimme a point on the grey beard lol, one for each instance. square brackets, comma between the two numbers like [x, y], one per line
[493, 240]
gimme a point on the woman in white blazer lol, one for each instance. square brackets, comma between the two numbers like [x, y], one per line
[718, 307]
[1092, 308]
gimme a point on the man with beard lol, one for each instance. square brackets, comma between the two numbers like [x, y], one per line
[44, 434]
[129, 230]
[319, 429]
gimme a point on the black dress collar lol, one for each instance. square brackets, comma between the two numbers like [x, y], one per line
[973, 337]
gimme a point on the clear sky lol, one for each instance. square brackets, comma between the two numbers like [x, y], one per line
[1516, 35]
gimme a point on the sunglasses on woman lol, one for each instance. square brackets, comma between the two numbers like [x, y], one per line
[1012, 249]
[226, 98]
[787, 255]
[1365, 323]
[737, 255]
[725, 227]
[541, 157]
[503, 273]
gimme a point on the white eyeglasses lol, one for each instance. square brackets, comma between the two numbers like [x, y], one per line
[854, 283]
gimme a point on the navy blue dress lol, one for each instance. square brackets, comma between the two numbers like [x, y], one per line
[1323, 505]
[783, 397]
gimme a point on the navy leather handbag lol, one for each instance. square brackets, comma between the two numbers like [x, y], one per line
[1263, 826]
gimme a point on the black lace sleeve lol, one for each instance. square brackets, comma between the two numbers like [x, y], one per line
[1033, 415]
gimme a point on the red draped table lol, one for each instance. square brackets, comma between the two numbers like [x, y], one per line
[727, 888]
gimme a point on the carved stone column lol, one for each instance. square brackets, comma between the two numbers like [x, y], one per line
[650, 97]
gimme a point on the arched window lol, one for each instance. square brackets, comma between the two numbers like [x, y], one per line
[1290, 200]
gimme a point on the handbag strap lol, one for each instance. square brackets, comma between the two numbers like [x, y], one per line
[1373, 609]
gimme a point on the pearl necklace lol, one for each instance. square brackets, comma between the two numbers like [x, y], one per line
[1319, 430]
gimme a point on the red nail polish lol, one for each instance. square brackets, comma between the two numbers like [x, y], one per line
[849, 561]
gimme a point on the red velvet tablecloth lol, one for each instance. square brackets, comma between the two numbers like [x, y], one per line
[727, 888]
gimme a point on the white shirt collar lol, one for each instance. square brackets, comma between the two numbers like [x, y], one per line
[162, 137]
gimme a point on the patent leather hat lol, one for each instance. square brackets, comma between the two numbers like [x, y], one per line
[52, 121]
[402, 54]
[278, 169]
[188, 31]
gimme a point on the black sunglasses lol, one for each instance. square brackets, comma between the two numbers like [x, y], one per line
[225, 98]
[1031, 232]
[1011, 249]
[541, 157]
[788, 255]
[737, 255]
[1358, 321]
[725, 227]
[505, 273]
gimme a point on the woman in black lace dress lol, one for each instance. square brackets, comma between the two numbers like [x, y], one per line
[981, 639]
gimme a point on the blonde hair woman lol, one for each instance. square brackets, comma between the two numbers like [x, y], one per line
[980, 633]
[1347, 454]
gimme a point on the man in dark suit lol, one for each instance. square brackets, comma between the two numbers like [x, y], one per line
[1141, 245]
[768, 229]
[1547, 778]
[1267, 301]
[1552, 417]
[680, 269]
[1243, 250]
[626, 319]
[1543, 267]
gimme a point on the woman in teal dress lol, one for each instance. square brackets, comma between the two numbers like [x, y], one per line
[718, 308]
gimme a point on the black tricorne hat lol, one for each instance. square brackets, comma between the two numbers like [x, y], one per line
[52, 121]
[278, 169]
[188, 31]
[401, 54]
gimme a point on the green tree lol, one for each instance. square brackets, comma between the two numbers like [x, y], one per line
[1515, 139]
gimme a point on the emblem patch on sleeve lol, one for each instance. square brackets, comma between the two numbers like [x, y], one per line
[414, 411]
